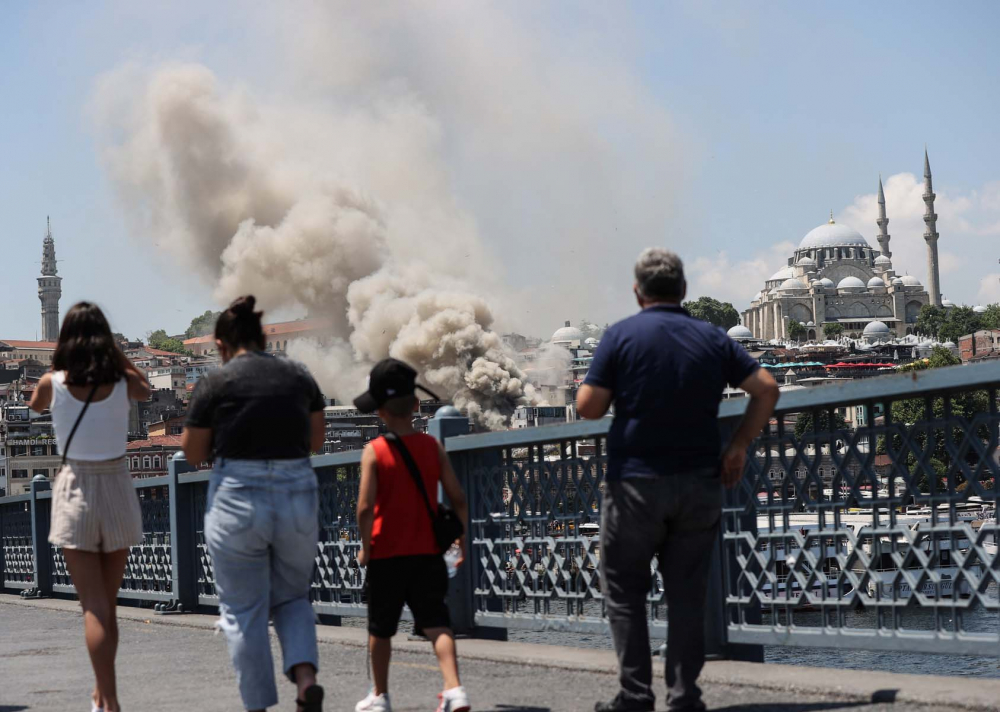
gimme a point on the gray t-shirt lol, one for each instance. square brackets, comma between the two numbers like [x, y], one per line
[258, 408]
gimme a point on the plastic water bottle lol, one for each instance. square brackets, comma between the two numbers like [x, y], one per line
[451, 558]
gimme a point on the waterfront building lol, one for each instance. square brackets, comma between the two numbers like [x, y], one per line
[979, 346]
[278, 336]
[835, 276]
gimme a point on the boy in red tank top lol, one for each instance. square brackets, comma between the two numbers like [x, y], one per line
[404, 563]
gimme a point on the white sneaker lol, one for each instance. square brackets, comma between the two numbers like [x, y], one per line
[374, 703]
[454, 700]
[95, 708]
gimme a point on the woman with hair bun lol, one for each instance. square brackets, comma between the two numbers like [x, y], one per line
[258, 417]
[95, 511]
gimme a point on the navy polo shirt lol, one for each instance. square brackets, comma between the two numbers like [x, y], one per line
[666, 370]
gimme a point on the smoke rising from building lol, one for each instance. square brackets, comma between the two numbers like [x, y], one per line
[216, 175]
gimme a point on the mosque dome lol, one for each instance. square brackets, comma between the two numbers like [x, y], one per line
[740, 332]
[883, 260]
[806, 262]
[949, 344]
[876, 330]
[875, 282]
[947, 303]
[827, 283]
[791, 283]
[832, 235]
[759, 296]
[898, 282]
[911, 281]
[979, 310]
[567, 333]
[592, 342]
[810, 323]
[782, 274]
[851, 283]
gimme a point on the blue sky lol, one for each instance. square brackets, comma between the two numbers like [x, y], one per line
[571, 139]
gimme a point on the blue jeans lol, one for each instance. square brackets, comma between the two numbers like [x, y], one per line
[261, 528]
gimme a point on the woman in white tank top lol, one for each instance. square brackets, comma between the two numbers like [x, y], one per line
[95, 510]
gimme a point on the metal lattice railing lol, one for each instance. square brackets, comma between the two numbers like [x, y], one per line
[866, 518]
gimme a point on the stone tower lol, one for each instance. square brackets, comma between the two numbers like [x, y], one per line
[49, 287]
[931, 236]
[882, 222]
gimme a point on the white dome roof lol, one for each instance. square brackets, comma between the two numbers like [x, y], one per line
[827, 282]
[782, 274]
[591, 341]
[898, 281]
[947, 304]
[791, 284]
[883, 260]
[949, 344]
[876, 328]
[832, 235]
[759, 295]
[851, 283]
[979, 310]
[567, 333]
[911, 281]
[740, 332]
[806, 261]
[875, 282]
[811, 323]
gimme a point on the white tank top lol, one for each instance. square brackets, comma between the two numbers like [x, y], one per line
[103, 432]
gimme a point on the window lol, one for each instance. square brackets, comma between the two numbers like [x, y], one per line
[37, 450]
[146, 462]
[156, 462]
[19, 474]
[135, 462]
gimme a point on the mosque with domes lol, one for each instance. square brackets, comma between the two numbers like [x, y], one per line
[836, 277]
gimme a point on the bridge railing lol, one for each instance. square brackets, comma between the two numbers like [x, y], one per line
[866, 518]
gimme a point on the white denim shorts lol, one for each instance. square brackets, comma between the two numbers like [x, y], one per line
[95, 507]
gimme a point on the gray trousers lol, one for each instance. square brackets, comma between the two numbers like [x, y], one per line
[676, 519]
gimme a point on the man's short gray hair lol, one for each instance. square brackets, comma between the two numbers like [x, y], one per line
[659, 275]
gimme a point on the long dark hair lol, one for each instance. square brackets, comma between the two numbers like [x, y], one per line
[86, 350]
[239, 326]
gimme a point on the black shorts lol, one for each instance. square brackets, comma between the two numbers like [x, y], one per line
[421, 582]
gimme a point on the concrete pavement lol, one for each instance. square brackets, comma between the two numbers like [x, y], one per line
[175, 663]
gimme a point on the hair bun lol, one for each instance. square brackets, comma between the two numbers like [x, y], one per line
[243, 306]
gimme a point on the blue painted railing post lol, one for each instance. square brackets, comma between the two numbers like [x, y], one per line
[734, 508]
[41, 549]
[183, 561]
[447, 422]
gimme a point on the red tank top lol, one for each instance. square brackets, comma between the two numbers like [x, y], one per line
[402, 527]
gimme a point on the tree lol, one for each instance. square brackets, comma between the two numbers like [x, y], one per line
[833, 331]
[991, 318]
[804, 423]
[930, 320]
[159, 340]
[796, 330]
[202, 325]
[713, 311]
[959, 322]
[591, 330]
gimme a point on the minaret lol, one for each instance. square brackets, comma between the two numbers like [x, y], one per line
[931, 236]
[882, 222]
[49, 287]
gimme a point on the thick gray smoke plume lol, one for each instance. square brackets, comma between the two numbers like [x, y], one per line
[229, 185]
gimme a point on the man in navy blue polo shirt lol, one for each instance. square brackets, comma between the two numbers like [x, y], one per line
[665, 371]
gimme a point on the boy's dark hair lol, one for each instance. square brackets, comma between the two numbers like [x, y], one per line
[400, 407]
[87, 351]
[239, 326]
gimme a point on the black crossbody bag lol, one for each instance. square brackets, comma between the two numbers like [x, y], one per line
[446, 524]
[77, 423]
